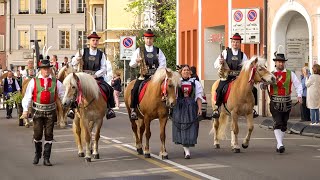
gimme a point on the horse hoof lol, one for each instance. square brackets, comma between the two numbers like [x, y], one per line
[27, 125]
[140, 151]
[236, 150]
[96, 156]
[81, 154]
[147, 155]
[217, 146]
[245, 146]
[165, 157]
[87, 159]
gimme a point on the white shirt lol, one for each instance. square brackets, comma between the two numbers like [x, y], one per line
[217, 64]
[103, 64]
[162, 59]
[198, 88]
[11, 79]
[26, 101]
[296, 83]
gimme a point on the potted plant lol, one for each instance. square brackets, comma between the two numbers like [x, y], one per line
[16, 99]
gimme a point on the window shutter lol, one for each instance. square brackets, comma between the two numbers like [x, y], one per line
[1, 9]
[1, 42]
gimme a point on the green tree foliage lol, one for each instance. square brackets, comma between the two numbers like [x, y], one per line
[165, 29]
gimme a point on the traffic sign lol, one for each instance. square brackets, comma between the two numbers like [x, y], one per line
[237, 16]
[127, 47]
[252, 15]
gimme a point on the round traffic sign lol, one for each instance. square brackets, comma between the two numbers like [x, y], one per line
[252, 15]
[127, 42]
[237, 16]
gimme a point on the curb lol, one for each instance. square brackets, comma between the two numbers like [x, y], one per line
[295, 128]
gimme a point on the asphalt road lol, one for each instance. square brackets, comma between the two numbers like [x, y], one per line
[119, 160]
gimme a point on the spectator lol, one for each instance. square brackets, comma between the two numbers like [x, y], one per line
[54, 62]
[313, 93]
[116, 84]
[305, 111]
[10, 85]
[193, 70]
[65, 61]
[19, 78]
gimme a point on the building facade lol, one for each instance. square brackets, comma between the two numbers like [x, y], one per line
[58, 23]
[2, 34]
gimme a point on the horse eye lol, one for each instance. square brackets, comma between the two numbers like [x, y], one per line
[170, 86]
[73, 87]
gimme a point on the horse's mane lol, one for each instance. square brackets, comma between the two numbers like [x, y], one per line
[161, 74]
[61, 71]
[88, 84]
[247, 64]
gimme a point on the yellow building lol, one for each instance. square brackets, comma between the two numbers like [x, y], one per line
[112, 21]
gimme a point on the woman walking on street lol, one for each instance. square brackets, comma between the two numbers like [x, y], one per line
[116, 84]
[313, 92]
[305, 111]
[185, 123]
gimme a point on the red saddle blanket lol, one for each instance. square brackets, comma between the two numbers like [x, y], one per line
[104, 95]
[143, 91]
[227, 93]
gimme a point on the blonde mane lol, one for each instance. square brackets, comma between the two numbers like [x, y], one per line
[161, 74]
[61, 71]
[247, 64]
[88, 84]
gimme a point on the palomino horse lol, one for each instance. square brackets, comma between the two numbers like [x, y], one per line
[83, 88]
[160, 94]
[240, 102]
[64, 72]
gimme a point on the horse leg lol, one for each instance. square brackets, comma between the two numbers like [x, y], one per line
[85, 125]
[216, 142]
[135, 132]
[163, 152]
[245, 143]
[91, 126]
[95, 153]
[148, 135]
[77, 134]
[234, 133]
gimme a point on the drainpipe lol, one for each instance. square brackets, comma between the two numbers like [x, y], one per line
[177, 33]
[200, 39]
[229, 22]
[10, 17]
[265, 50]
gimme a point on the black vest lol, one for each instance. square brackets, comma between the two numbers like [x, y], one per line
[234, 61]
[91, 62]
[5, 87]
[152, 58]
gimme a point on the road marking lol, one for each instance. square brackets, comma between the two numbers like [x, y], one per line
[76, 149]
[121, 112]
[63, 135]
[115, 160]
[171, 169]
[157, 170]
[60, 142]
[311, 146]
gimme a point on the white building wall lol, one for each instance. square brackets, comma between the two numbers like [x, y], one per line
[52, 21]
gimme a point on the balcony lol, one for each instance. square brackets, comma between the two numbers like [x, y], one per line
[80, 10]
[67, 10]
[23, 11]
[41, 11]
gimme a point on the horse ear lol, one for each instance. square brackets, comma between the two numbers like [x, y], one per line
[67, 65]
[75, 77]
[255, 61]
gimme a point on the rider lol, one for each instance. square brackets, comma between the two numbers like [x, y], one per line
[42, 90]
[154, 58]
[94, 63]
[234, 58]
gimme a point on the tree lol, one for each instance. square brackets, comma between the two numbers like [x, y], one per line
[164, 13]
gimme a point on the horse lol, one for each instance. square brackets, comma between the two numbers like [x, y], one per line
[160, 95]
[83, 88]
[64, 72]
[240, 102]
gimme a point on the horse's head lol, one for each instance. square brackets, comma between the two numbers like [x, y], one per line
[259, 71]
[71, 84]
[169, 85]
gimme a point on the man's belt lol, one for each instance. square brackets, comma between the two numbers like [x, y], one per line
[281, 103]
[234, 73]
[44, 107]
[90, 72]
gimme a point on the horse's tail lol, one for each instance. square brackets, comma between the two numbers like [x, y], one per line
[223, 122]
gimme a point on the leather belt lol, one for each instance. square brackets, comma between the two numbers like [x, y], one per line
[44, 107]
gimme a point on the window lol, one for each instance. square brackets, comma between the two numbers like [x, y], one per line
[1, 9]
[83, 37]
[81, 6]
[64, 39]
[24, 7]
[1, 42]
[24, 41]
[98, 18]
[41, 35]
[41, 6]
[65, 6]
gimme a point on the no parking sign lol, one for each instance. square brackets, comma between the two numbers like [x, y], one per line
[127, 47]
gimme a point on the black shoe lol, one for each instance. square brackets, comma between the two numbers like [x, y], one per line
[216, 114]
[110, 114]
[133, 115]
[281, 149]
[71, 114]
[47, 162]
[47, 154]
[38, 146]
[8, 117]
[255, 114]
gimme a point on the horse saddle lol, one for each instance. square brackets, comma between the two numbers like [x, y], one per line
[104, 89]
[224, 93]
[142, 88]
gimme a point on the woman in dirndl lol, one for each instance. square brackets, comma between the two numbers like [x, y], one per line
[185, 122]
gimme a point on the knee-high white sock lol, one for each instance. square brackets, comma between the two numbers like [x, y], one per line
[186, 150]
[279, 136]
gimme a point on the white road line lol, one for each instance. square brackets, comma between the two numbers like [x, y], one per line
[121, 112]
[170, 162]
[76, 149]
[61, 142]
[311, 146]
[114, 160]
[116, 141]
[63, 135]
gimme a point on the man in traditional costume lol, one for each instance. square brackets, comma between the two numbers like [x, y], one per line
[10, 85]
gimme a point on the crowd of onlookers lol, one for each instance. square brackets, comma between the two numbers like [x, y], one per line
[311, 93]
